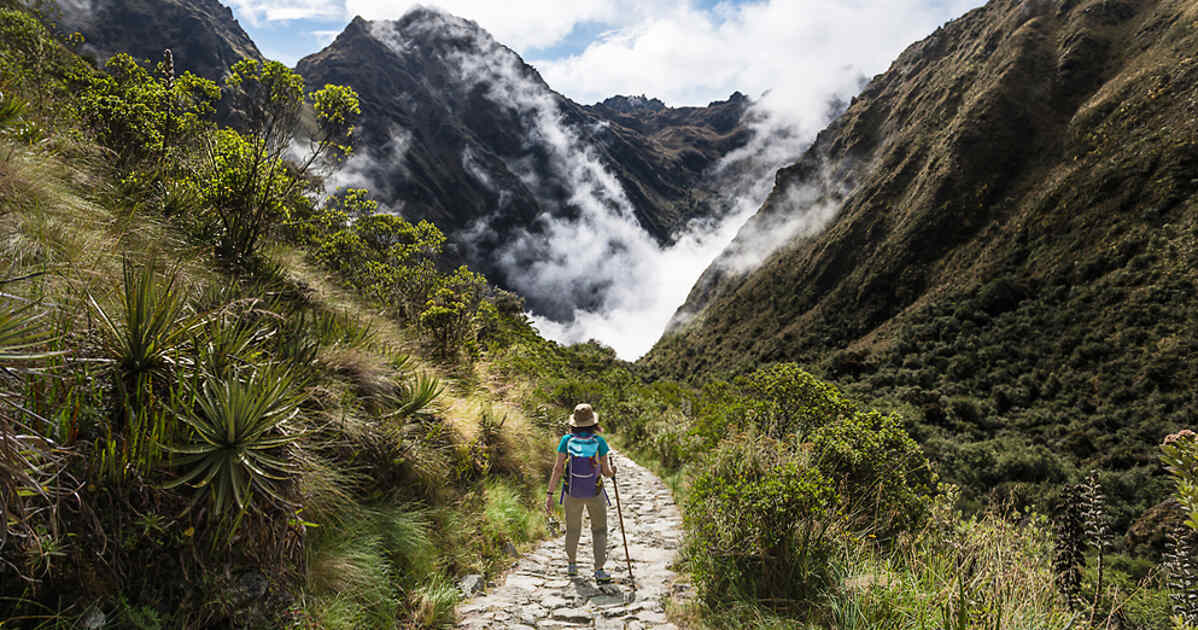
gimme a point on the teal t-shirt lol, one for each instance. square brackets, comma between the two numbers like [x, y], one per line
[603, 448]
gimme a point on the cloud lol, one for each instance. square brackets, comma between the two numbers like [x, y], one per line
[796, 58]
[800, 51]
[521, 24]
[258, 12]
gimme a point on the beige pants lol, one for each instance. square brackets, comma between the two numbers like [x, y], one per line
[597, 510]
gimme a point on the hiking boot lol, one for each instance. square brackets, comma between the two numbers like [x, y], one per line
[572, 570]
[602, 577]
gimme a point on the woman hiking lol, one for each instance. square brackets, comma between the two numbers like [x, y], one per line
[582, 457]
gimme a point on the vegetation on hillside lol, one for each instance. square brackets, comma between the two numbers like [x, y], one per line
[197, 428]
[1013, 257]
[226, 401]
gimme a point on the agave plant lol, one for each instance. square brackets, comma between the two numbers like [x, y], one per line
[221, 346]
[416, 395]
[22, 333]
[155, 322]
[239, 434]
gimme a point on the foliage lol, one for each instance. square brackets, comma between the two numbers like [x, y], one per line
[987, 571]
[140, 117]
[757, 516]
[145, 343]
[790, 400]
[1180, 456]
[1069, 554]
[247, 182]
[240, 428]
[31, 466]
[146, 336]
[879, 468]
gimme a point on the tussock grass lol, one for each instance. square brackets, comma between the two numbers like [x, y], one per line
[509, 516]
[376, 566]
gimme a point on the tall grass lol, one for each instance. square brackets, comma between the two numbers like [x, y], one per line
[376, 567]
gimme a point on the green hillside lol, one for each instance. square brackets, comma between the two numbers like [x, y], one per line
[1013, 257]
[226, 402]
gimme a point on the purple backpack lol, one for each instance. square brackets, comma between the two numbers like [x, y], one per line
[582, 466]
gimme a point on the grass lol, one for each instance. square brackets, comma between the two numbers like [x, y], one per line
[368, 564]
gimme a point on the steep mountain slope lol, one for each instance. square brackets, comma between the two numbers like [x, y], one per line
[203, 34]
[456, 128]
[1001, 231]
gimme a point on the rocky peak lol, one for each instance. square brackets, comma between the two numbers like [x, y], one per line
[631, 104]
[457, 128]
[203, 34]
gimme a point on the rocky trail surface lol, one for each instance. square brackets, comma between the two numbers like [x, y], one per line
[536, 593]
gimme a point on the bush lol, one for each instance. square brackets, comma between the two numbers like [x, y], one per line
[757, 518]
[883, 475]
[791, 401]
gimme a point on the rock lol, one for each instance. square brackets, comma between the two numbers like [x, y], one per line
[471, 584]
[93, 618]
[510, 550]
[603, 623]
[651, 617]
[607, 600]
[524, 581]
[250, 587]
[572, 615]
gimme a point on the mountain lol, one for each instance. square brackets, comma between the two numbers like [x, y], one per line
[456, 128]
[1000, 232]
[203, 35]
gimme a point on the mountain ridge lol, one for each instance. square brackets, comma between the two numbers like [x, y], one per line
[203, 35]
[458, 129]
[1005, 248]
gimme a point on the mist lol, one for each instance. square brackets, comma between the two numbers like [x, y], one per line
[591, 250]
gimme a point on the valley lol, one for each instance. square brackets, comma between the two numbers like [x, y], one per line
[287, 347]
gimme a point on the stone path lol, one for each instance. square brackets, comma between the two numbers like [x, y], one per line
[537, 594]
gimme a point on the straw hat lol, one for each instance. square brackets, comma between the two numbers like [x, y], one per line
[584, 416]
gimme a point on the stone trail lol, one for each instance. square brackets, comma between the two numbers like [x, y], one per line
[537, 594]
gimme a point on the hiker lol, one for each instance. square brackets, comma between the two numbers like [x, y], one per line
[582, 456]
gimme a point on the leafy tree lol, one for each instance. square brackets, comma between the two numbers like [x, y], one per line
[250, 179]
[142, 118]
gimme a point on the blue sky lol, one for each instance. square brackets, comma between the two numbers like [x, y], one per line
[687, 52]
[289, 40]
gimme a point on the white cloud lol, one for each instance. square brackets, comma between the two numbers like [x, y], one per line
[800, 50]
[257, 12]
[793, 56]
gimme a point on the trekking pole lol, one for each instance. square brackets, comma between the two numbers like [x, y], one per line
[620, 513]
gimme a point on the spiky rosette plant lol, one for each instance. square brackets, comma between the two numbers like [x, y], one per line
[1070, 546]
[156, 321]
[1180, 456]
[241, 428]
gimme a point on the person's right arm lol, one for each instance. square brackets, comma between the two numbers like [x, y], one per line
[558, 467]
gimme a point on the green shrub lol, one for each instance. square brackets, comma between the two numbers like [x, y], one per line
[757, 519]
[882, 474]
[790, 401]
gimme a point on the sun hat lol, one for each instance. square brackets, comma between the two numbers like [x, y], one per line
[584, 416]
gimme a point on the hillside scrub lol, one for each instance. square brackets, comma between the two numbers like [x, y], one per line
[805, 508]
[321, 425]
[195, 435]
